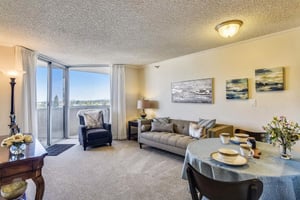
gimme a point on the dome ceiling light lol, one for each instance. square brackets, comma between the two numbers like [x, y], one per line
[229, 28]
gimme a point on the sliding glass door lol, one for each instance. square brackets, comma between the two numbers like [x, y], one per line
[57, 104]
[50, 102]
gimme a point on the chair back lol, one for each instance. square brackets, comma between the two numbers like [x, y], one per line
[219, 190]
[105, 112]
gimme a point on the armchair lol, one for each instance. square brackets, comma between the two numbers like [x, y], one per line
[93, 129]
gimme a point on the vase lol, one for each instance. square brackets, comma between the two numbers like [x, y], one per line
[284, 152]
[17, 148]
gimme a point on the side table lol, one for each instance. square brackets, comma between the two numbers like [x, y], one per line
[132, 123]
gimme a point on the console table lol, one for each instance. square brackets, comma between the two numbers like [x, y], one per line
[27, 166]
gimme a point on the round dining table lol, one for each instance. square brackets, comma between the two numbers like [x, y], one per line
[280, 177]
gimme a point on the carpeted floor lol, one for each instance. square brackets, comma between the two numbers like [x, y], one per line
[57, 149]
[122, 171]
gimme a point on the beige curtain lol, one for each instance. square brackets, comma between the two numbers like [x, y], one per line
[118, 102]
[27, 59]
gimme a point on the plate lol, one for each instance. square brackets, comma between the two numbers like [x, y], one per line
[228, 152]
[236, 141]
[237, 161]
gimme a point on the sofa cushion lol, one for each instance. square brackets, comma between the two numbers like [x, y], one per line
[172, 139]
[181, 126]
[183, 141]
[207, 123]
[161, 127]
[195, 130]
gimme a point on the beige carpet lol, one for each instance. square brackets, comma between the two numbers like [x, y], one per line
[123, 171]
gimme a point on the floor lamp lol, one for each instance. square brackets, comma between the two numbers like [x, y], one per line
[13, 125]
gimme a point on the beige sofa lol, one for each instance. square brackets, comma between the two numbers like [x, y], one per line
[175, 142]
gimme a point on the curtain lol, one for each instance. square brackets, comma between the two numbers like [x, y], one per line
[27, 59]
[118, 102]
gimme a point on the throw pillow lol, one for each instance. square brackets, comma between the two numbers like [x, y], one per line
[164, 120]
[162, 127]
[195, 130]
[207, 123]
[93, 119]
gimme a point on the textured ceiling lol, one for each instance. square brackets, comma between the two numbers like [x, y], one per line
[77, 32]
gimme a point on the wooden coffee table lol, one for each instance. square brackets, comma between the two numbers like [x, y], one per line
[27, 166]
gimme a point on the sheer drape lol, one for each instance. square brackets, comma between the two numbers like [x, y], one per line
[27, 59]
[118, 102]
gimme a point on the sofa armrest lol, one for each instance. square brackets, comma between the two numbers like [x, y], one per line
[218, 129]
[141, 123]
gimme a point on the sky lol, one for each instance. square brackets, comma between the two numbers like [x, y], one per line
[83, 85]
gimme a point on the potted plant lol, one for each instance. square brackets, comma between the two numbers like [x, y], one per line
[283, 132]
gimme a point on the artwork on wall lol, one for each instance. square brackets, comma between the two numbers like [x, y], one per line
[193, 91]
[269, 79]
[237, 89]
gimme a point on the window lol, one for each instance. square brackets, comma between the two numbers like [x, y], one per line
[88, 90]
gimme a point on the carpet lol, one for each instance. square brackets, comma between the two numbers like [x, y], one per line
[57, 149]
[121, 171]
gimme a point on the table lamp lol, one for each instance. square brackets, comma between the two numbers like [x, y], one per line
[143, 104]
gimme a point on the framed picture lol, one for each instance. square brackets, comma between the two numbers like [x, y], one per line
[269, 79]
[237, 89]
[193, 91]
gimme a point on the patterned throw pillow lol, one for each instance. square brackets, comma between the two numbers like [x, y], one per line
[93, 119]
[196, 130]
[207, 123]
[162, 127]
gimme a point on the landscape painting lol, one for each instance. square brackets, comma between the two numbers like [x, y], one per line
[237, 89]
[269, 79]
[193, 91]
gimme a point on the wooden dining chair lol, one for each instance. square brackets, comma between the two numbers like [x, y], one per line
[201, 185]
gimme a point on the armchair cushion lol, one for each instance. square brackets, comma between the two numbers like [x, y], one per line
[96, 133]
[93, 119]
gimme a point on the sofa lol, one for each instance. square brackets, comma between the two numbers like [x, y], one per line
[178, 140]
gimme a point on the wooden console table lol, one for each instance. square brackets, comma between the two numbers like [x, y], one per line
[27, 166]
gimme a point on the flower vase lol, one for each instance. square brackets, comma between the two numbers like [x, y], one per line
[17, 148]
[285, 153]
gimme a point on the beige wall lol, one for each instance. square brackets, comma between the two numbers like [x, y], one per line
[132, 85]
[230, 62]
[7, 61]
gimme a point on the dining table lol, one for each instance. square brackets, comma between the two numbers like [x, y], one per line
[280, 177]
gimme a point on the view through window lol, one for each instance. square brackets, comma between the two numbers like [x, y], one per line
[88, 90]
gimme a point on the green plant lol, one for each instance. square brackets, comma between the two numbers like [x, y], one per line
[283, 131]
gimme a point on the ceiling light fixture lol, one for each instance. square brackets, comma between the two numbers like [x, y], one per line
[229, 28]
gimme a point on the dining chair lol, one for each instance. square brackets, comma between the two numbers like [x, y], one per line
[201, 185]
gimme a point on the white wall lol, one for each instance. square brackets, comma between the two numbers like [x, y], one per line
[7, 61]
[230, 62]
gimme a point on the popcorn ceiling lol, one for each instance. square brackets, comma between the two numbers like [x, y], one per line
[135, 31]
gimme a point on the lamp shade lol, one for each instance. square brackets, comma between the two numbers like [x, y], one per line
[229, 28]
[142, 104]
